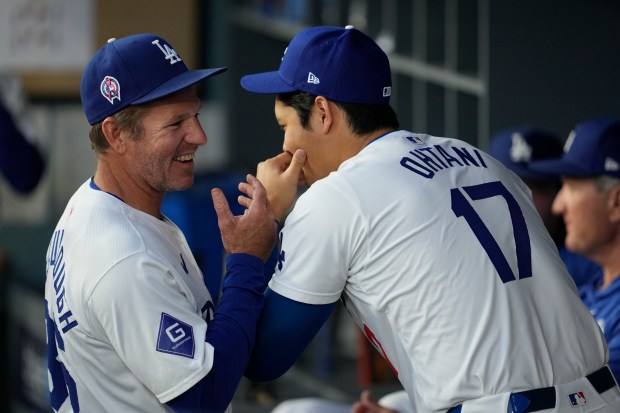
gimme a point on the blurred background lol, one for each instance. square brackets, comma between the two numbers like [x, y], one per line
[465, 69]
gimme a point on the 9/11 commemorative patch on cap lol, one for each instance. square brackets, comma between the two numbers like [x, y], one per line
[175, 337]
[110, 89]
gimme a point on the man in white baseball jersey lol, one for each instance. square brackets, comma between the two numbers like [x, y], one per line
[131, 326]
[434, 246]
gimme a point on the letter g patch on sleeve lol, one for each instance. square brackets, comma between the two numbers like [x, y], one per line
[175, 337]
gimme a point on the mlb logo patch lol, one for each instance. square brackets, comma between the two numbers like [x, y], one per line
[577, 399]
[414, 139]
[175, 337]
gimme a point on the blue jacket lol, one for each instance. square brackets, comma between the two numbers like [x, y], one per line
[605, 307]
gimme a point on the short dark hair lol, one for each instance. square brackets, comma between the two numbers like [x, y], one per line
[362, 118]
[129, 118]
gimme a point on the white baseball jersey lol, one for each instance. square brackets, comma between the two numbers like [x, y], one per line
[442, 260]
[126, 309]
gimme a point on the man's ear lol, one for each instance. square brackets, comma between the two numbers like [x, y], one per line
[325, 112]
[113, 134]
[614, 204]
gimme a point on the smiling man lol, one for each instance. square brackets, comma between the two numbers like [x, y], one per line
[131, 326]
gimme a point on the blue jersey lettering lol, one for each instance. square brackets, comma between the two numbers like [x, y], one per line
[429, 160]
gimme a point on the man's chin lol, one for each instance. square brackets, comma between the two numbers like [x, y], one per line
[572, 246]
[181, 186]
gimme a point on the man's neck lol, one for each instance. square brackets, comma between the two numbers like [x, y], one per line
[128, 190]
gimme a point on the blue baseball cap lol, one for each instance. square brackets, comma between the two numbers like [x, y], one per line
[516, 147]
[133, 70]
[592, 149]
[342, 64]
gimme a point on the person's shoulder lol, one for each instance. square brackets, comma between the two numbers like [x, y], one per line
[335, 187]
[99, 225]
[329, 203]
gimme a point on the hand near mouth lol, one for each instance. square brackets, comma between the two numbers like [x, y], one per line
[281, 175]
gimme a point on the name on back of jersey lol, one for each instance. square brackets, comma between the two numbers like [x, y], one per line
[56, 269]
[428, 160]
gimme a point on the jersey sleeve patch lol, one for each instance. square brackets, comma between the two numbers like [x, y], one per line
[175, 337]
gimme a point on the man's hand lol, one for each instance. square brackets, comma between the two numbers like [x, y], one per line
[252, 233]
[366, 404]
[281, 175]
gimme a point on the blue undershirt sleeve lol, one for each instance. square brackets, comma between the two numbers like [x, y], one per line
[232, 333]
[272, 260]
[285, 329]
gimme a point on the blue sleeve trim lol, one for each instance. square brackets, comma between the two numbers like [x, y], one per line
[285, 329]
[232, 333]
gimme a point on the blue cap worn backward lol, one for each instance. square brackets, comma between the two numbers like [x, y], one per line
[516, 147]
[342, 64]
[592, 149]
[133, 70]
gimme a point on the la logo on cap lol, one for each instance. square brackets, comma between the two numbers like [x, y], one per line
[520, 151]
[169, 53]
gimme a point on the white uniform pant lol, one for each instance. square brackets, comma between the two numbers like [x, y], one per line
[578, 396]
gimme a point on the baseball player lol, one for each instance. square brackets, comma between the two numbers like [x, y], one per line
[434, 246]
[131, 326]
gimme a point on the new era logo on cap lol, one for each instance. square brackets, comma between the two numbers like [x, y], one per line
[313, 79]
[133, 70]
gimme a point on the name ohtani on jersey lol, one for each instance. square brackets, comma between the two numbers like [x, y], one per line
[428, 160]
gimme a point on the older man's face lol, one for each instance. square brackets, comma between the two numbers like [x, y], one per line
[163, 159]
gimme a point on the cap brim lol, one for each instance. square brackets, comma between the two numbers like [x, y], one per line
[559, 167]
[177, 83]
[527, 174]
[268, 82]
